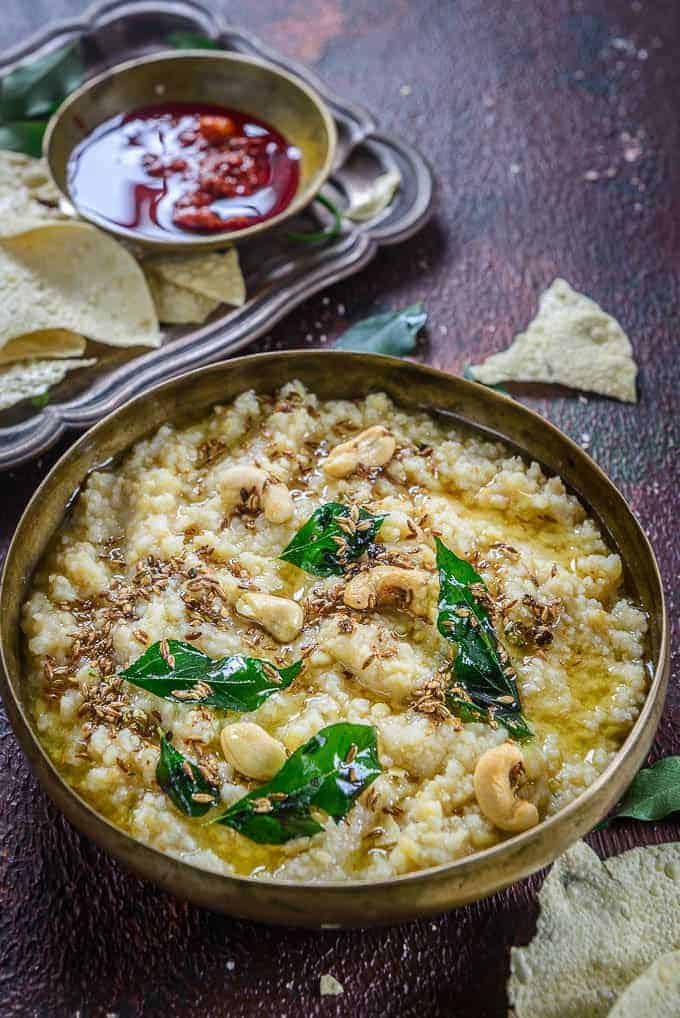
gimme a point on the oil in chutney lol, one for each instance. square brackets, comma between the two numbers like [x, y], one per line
[183, 168]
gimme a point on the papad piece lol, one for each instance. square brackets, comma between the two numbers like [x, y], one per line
[28, 197]
[655, 993]
[46, 343]
[28, 379]
[571, 341]
[329, 986]
[176, 305]
[216, 275]
[73, 276]
[601, 924]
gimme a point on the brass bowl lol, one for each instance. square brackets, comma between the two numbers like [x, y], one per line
[245, 83]
[339, 375]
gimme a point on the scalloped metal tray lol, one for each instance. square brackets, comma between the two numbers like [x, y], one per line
[280, 274]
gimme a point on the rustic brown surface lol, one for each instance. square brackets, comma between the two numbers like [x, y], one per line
[514, 102]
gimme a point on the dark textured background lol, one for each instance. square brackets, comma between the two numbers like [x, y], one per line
[515, 102]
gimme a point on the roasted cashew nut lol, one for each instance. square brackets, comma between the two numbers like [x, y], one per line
[280, 616]
[251, 750]
[390, 586]
[495, 782]
[373, 447]
[241, 483]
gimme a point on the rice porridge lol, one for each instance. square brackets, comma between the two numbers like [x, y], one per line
[450, 626]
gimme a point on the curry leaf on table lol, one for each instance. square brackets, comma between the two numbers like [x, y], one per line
[190, 790]
[654, 792]
[36, 87]
[325, 547]
[393, 332]
[179, 672]
[327, 773]
[485, 686]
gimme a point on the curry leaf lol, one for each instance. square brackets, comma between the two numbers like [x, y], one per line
[23, 136]
[181, 673]
[485, 687]
[393, 332]
[328, 773]
[320, 236]
[325, 548]
[654, 792]
[191, 40]
[183, 781]
[35, 88]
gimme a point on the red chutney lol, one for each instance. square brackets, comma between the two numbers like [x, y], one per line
[184, 167]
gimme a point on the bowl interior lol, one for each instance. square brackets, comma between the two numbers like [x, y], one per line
[224, 79]
[339, 375]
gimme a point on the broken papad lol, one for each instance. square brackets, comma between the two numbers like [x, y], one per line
[655, 993]
[46, 343]
[68, 275]
[28, 379]
[216, 275]
[602, 923]
[571, 341]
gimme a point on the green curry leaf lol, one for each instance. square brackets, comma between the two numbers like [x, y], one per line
[328, 773]
[191, 40]
[485, 687]
[393, 332]
[325, 548]
[654, 792]
[23, 136]
[189, 789]
[42, 400]
[35, 88]
[179, 672]
[321, 236]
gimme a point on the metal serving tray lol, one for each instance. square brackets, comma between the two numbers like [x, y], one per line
[279, 273]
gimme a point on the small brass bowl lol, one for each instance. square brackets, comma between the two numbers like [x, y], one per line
[243, 83]
[338, 375]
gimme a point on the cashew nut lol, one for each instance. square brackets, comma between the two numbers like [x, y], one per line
[252, 751]
[373, 447]
[241, 483]
[280, 616]
[496, 779]
[391, 586]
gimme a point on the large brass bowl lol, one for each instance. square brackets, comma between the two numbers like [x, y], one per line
[244, 83]
[335, 375]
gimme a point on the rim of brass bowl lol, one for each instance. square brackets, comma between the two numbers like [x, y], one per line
[339, 375]
[246, 83]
